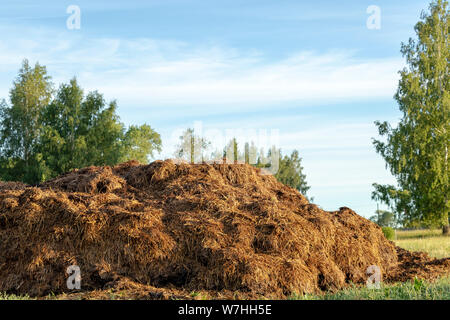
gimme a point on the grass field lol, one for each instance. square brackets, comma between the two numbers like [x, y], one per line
[430, 241]
[414, 290]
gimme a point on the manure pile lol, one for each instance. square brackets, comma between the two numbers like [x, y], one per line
[164, 230]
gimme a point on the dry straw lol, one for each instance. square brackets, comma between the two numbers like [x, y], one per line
[175, 226]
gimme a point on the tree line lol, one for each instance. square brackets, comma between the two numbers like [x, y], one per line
[46, 132]
[416, 150]
[288, 168]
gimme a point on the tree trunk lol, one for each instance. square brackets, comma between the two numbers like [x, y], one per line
[446, 229]
[192, 149]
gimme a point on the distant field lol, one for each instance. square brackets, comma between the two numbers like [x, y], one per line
[430, 241]
[414, 290]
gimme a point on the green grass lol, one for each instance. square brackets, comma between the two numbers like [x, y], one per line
[413, 290]
[13, 297]
[430, 241]
[418, 234]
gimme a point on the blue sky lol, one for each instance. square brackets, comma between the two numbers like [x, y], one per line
[310, 69]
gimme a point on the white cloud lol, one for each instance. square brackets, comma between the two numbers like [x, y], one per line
[222, 80]
[147, 72]
[171, 76]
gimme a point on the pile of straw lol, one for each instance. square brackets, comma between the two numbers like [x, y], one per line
[216, 227]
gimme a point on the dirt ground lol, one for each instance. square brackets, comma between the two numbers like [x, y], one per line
[166, 230]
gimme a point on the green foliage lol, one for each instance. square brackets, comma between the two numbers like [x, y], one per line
[290, 172]
[235, 150]
[42, 136]
[389, 233]
[139, 143]
[192, 147]
[418, 284]
[416, 151]
[384, 218]
[399, 201]
[20, 125]
[231, 151]
[62, 142]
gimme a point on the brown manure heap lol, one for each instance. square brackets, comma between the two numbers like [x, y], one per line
[164, 230]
